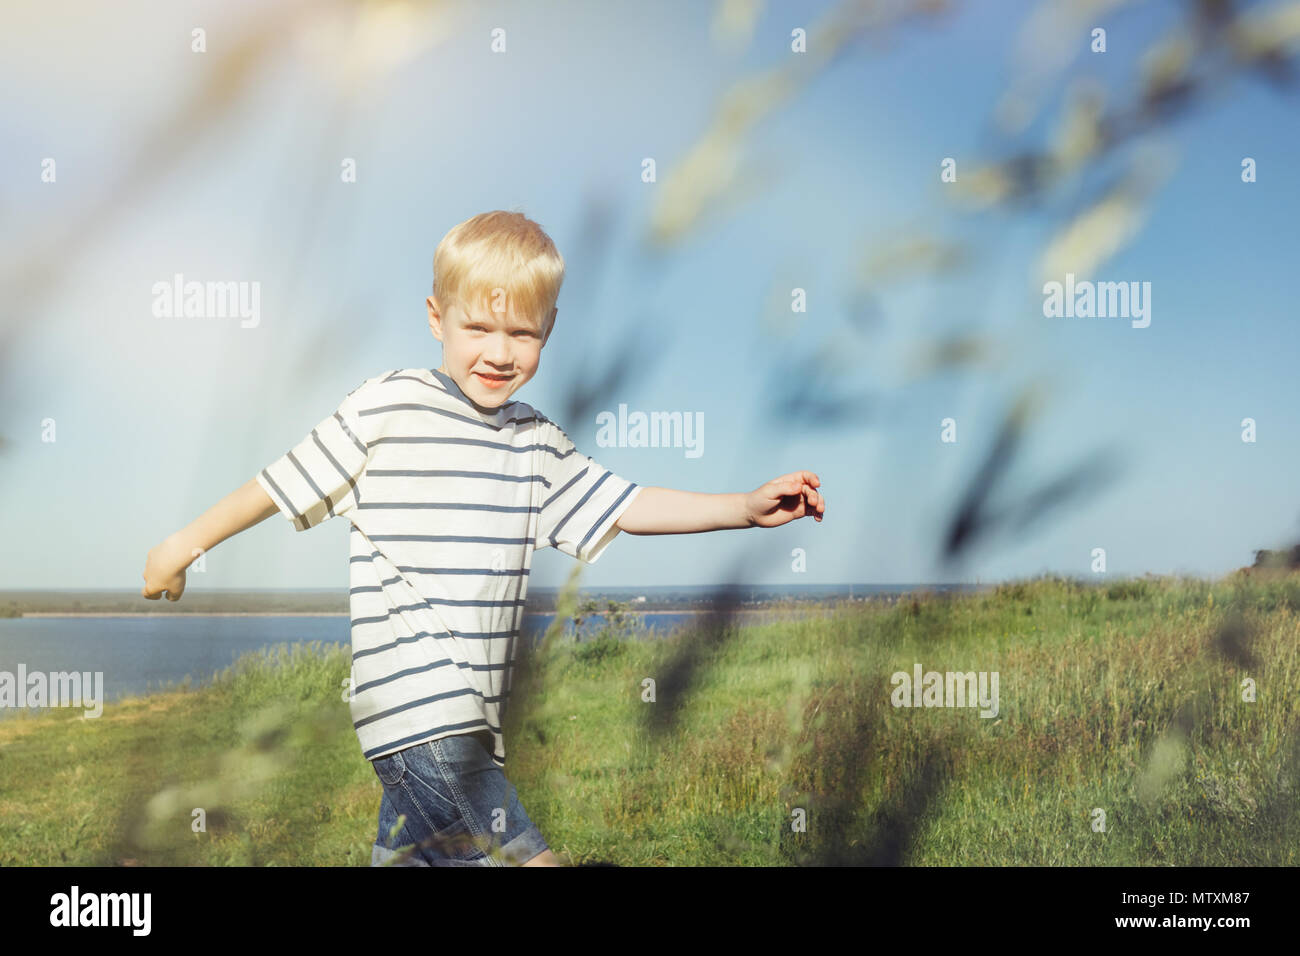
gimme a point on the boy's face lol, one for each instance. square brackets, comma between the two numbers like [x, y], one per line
[489, 355]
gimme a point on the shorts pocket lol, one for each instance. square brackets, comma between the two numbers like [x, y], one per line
[456, 842]
[390, 769]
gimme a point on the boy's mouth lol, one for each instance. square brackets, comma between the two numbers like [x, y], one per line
[493, 381]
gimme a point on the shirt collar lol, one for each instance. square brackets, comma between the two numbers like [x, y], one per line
[491, 416]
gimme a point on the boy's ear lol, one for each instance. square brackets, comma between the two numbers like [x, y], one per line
[435, 317]
[550, 326]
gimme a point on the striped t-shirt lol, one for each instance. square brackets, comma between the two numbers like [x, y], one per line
[447, 501]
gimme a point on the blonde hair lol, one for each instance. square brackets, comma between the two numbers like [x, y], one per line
[498, 250]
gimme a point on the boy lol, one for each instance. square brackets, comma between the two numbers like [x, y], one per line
[450, 487]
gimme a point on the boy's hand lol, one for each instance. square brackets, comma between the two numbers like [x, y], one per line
[784, 499]
[164, 570]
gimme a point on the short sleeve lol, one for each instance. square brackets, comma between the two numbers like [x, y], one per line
[582, 499]
[317, 478]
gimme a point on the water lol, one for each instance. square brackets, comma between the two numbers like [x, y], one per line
[137, 655]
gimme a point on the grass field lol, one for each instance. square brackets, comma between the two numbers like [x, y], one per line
[1124, 699]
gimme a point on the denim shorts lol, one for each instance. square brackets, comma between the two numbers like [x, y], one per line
[458, 804]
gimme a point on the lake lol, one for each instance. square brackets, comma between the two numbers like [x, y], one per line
[145, 653]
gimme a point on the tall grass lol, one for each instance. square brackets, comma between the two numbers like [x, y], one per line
[1121, 698]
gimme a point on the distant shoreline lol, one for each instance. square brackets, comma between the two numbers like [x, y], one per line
[745, 610]
[184, 614]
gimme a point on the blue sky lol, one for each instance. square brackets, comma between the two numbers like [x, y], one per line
[157, 419]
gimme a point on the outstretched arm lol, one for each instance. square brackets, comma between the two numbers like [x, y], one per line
[667, 511]
[164, 568]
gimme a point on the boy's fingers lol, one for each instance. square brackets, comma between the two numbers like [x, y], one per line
[796, 481]
[800, 484]
[816, 503]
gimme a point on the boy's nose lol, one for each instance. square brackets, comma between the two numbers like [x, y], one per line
[498, 353]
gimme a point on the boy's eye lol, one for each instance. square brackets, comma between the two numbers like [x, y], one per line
[480, 328]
